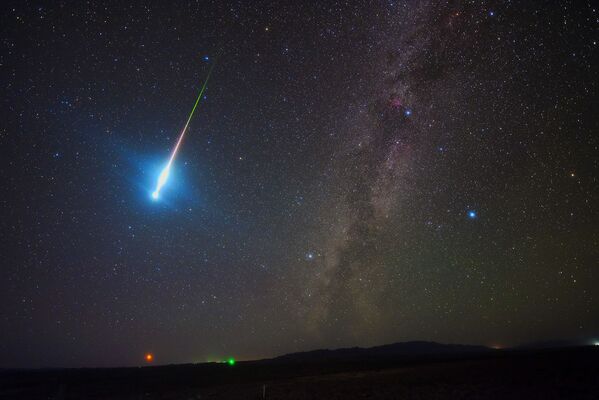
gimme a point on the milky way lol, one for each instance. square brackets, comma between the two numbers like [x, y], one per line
[361, 175]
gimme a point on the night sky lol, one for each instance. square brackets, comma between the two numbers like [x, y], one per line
[355, 175]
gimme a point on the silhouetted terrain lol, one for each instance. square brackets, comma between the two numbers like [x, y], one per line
[415, 370]
[386, 352]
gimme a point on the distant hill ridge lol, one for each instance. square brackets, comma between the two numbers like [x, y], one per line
[406, 349]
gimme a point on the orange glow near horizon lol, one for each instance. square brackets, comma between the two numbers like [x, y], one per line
[149, 357]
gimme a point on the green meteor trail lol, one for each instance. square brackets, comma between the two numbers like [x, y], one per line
[163, 177]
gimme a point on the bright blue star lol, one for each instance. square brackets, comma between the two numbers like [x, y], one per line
[472, 214]
[206, 58]
[408, 113]
[491, 13]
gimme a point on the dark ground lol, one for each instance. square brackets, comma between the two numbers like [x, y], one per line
[571, 373]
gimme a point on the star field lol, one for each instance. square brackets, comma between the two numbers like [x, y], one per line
[354, 175]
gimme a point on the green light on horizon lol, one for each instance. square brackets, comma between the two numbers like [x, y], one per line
[231, 361]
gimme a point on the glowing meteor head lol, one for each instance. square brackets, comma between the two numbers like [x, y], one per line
[161, 181]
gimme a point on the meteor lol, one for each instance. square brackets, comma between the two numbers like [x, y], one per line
[163, 177]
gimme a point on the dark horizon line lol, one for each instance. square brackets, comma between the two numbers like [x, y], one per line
[538, 345]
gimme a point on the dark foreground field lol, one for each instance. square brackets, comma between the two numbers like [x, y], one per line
[571, 373]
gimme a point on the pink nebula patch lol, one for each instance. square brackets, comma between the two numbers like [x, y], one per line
[395, 102]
